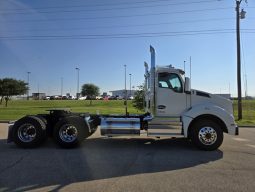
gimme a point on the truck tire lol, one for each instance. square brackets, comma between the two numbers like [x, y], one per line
[42, 118]
[69, 132]
[29, 132]
[206, 135]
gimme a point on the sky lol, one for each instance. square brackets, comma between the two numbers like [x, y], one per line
[51, 38]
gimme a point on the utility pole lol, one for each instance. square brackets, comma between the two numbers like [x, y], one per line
[78, 82]
[239, 85]
[28, 73]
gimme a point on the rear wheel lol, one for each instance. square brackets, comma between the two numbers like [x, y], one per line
[69, 132]
[29, 132]
[206, 135]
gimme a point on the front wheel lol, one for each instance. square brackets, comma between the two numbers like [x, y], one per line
[206, 135]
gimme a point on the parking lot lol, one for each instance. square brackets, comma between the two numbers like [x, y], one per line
[129, 164]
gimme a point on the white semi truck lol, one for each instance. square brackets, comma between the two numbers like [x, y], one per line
[172, 109]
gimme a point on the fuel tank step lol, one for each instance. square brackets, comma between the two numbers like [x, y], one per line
[165, 126]
[116, 126]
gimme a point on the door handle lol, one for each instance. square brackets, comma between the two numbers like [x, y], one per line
[161, 106]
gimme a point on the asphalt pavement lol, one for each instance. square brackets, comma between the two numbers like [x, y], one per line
[129, 164]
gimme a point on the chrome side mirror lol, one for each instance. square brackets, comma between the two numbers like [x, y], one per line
[187, 85]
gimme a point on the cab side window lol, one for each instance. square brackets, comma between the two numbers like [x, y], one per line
[170, 81]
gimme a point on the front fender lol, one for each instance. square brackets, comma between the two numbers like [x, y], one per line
[209, 109]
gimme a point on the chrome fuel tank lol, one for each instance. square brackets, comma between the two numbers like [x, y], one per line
[118, 126]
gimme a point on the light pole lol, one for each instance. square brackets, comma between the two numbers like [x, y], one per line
[184, 67]
[125, 66]
[78, 81]
[130, 84]
[239, 88]
[28, 73]
[61, 87]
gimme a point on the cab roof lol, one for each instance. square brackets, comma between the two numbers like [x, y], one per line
[169, 68]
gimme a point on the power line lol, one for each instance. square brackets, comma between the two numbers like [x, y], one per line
[122, 16]
[94, 5]
[99, 5]
[106, 9]
[128, 26]
[146, 33]
[128, 35]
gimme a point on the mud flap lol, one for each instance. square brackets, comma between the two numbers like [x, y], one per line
[10, 135]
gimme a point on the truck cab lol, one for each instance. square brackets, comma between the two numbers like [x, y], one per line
[178, 110]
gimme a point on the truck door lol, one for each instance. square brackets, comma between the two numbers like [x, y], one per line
[170, 96]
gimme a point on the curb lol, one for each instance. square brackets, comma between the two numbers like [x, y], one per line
[6, 121]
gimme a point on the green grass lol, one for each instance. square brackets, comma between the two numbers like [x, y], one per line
[248, 107]
[18, 109]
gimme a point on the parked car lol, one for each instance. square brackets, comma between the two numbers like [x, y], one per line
[130, 98]
[119, 97]
[91, 98]
[112, 98]
[64, 97]
[47, 98]
[99, 98]
[82, 98]
[71, 97]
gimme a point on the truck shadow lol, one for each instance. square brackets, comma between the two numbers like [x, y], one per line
[97, 158]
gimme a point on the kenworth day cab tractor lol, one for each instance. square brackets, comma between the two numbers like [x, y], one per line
[172, 109]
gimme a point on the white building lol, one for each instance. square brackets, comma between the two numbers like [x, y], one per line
[121, 93]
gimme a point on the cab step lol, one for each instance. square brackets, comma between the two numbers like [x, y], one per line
[165, 127]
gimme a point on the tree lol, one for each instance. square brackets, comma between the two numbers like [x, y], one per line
[1, 91]
[90, 90]
[138, 101]
[11, 87]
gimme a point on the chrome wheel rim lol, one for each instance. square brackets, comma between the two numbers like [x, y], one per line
[68, 133]
[207, 135]
[27, 132]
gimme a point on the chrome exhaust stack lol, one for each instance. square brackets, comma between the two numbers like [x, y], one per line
[153, 83]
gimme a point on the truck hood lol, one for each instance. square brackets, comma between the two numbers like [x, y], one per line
[199, 97]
